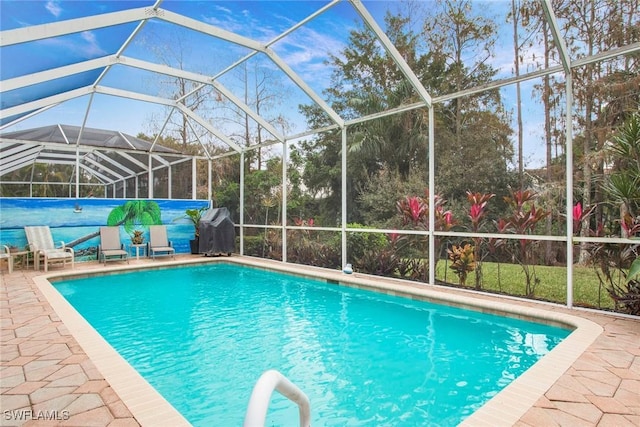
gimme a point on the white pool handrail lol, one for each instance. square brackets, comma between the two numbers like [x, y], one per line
[261, 395]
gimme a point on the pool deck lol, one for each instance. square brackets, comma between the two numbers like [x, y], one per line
[54, 372]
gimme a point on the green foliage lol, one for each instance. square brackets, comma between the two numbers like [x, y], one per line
[380, 192]
[322, 171]
[47, 180]
[634, 270]
[473, 134]
[623, 183]
[262, 186]
[228, 195]
[617, 265]
[313, 252]
[194, 215]
[614, 264]
[254, 245]
[380, 263]
[358, 243]
[625, 145]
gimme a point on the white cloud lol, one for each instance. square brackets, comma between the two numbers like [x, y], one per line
[222, 9]
[86, 43]
[92, 47]
[54, 8]
[89, 37]
[305, 50]
[306, 45]
[235, 23]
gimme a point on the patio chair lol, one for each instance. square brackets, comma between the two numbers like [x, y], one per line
[41, 243]
[159, 244]
[7, 255]
[111, 249]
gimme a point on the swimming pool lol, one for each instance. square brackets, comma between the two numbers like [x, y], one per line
[362, 357]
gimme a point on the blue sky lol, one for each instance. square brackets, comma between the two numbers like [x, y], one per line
[304, 51]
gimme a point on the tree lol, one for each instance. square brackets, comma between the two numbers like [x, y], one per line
[605, 92]
[173, 48]
[472, 132]
[463, 41]
[592, 27]
[622, 184]
[366, 80]
[376, 84]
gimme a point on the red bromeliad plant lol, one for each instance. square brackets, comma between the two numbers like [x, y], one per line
[415, 211]
[299, 222]
[444, 219]
[523, 220]
[579, 217]
[395, 239]
[415, 214]
[478, 202]
[477, 212]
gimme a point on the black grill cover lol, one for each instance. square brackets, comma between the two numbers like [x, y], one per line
[217, 232]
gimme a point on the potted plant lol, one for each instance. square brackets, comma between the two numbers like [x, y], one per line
[137, 238]
[194, 215]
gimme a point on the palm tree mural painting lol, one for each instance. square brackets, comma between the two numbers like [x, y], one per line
[132, 214]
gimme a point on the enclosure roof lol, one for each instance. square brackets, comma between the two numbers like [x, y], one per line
[107, 155]
[72, 135]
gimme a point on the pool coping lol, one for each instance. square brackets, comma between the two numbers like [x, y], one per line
[506, 408]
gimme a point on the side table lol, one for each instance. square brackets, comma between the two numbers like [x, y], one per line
[24, 258]
[11, 256]
[142, 246]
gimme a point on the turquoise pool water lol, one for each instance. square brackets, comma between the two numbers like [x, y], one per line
[203, 335]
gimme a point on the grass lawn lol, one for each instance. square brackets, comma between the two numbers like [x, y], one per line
[510, 279]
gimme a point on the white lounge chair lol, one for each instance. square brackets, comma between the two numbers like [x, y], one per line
[159, 243]
[111, 249]
[41, 243]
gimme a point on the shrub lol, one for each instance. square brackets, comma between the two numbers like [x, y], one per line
[358, 243]
[462, 261]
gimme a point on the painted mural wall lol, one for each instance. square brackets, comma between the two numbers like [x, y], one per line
[77, 222]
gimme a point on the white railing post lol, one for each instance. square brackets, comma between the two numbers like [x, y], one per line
[261, 395]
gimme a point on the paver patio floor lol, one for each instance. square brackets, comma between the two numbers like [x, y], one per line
[46, 378]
